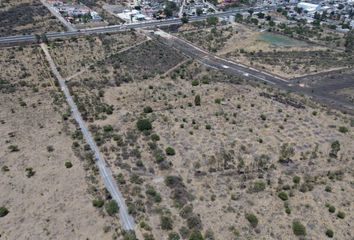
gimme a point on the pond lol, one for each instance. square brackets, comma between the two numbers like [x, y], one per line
[280, 40]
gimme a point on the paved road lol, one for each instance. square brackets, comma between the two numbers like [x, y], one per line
[234, 68]
[126, 220]
[216, 62]
[123, 27]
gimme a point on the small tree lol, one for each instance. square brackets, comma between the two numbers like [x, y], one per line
[196, 235]
[166, 222]
[148, 109]
[44, 38]
[286, 152]
[283, 196]
[144, 124]
[68, 164]
[170, 151]
[112, 207]
[173, 236]
[98, 203]
[252, 219]
[184, 20]
[197, 100]
[212, 20]
[329, 233]
[298, 228]
[3, 211]
[199, 11]
[155, 137]
[341, 215]
[335, 148]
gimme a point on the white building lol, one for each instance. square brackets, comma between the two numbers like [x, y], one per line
[308, 7]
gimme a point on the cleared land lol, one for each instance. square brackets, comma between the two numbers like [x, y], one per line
[26, 17]
[50, 185]
[197, 151]
[272, 52]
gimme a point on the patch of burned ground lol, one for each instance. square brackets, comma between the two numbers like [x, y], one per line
[79, 54]
[135, 64]
[332, 87]
[26, 17]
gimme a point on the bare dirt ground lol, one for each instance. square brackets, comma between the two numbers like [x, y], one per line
[26, 17]
[45, 198]
[237, 154]
[242, 44]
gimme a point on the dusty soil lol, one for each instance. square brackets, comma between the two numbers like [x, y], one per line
[56, 202]
[26, 17]
[224, 149]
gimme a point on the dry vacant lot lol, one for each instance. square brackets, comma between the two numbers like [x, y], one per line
[274, 53]
[26, 17]
[197, 152]
[48, 179]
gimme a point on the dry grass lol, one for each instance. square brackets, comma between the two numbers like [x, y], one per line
[56, 202]
[219, 166]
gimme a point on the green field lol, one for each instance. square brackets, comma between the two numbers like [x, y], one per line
[280, 40]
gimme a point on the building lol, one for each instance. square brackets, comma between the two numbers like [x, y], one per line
[308, 7]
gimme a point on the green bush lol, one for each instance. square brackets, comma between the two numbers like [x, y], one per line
[13, 148]
[3, 211]
[296, 179]
[341, 215]
[195, 83]
[30, 172]
[208, 127]
[263, 117]
[283, 196]
[148, 236]
[112, 207]
[258, 186]
[5, 168]
[154, 137]
[196, 235]
[108, 128]
[173, 236]
[170, 151]
[343, 129]
[197, 100]
[98, 203]
[331, 209]
[148, 109]
[298, 228]
[329, 233]
[68, 164]
[144, 124]
[166, 222]
[252, 219]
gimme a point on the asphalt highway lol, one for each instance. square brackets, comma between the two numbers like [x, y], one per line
[124, 27]
[216, 62]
